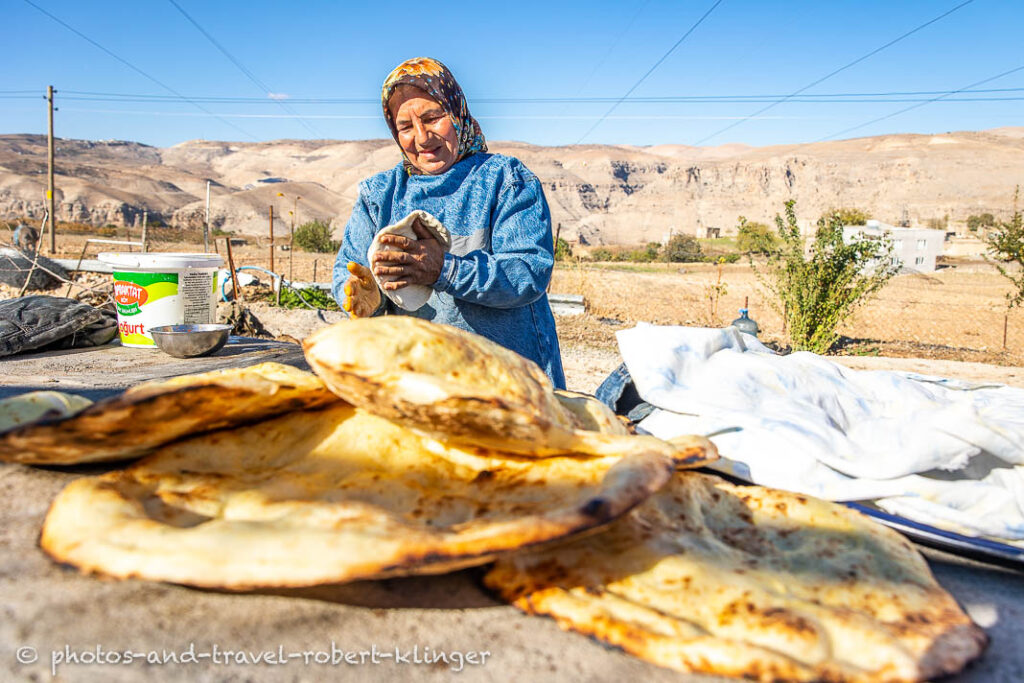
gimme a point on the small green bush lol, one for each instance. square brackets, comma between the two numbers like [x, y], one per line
[315, 236]
[816, 291]
[982, 220]
[314, 296]
[1006, 243]
[682, 249]
[847, 216]
[756, 238]
[563, 250]
[601, 254]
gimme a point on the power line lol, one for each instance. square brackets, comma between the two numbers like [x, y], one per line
[698, 99]
[651, 70]
[611, 49]
[837, 71]
[921, 104]
[138, 70]
[510, 117]
[241, 67]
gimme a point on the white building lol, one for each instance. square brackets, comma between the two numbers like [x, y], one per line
[914, 249]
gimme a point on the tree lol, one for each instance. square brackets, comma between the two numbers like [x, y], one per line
[682, 249]
[816, 290]
[755, 238]
[848, 216]
[982, 220]
[315, 236]
[563, 250]
[1006, 242]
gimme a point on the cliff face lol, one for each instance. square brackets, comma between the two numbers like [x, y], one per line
[598, 194]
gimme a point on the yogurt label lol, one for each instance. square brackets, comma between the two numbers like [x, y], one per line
[145, 300]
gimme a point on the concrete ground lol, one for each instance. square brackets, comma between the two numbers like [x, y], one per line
[52, 614]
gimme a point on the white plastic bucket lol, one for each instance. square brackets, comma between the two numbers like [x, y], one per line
[162, 289]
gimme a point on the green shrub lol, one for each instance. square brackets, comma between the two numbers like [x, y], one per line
[756, 238]
[816, 291]
[1006, 242]
[314, 296]
[848, 216]
[682, 249]
[651, 252]
[563, 250]
[315, 236]
[982, 220]
[601, 254]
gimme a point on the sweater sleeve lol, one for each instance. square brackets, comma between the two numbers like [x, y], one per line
[359, 232]
[517, 269]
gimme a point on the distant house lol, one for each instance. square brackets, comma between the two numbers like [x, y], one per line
[913, 249]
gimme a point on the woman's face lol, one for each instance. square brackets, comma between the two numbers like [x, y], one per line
[426, 132]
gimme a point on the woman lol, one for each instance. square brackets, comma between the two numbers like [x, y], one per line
[492, 279]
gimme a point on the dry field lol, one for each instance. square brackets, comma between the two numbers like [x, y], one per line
[956, 313]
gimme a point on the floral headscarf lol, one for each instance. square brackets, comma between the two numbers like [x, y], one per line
[436, 80]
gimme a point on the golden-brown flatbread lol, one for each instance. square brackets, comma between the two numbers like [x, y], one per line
[590, 414]
[462, 387]
[329, 496]
[155, 413]
[751, 582]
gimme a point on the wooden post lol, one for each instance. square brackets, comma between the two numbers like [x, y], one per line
[234, 276]
[291, 237]
[51, 190]
[206, 228]
[271, 238]
[558, 232]
[1006, 324]
[314, 270]
[145, 224]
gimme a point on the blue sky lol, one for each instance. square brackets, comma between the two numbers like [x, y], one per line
[512, 51]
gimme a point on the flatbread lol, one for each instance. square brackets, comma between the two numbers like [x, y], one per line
[329, 496]
[410, 297]
[155, 413]
[589, 413]
[464, 388]
[34, 406]
[752, 582]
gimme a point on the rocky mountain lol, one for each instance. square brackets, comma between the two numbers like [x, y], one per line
[599, 194]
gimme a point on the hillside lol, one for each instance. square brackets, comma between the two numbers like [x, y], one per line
[602, 194]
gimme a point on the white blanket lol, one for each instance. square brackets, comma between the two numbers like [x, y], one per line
[938, 451]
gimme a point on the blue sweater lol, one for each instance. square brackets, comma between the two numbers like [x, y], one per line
[494, 277]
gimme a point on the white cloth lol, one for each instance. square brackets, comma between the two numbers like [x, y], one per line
[410, 297]
[934, 450]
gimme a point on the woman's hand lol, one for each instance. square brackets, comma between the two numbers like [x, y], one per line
[409, 262]
[361, 294]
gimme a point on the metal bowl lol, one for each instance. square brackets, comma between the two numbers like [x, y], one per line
[189, 341]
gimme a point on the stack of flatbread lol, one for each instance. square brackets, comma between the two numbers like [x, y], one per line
[420, 449]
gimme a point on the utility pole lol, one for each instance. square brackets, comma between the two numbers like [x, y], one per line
[50, 190]
[271, 238]
[206, 230]
[145, 222]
